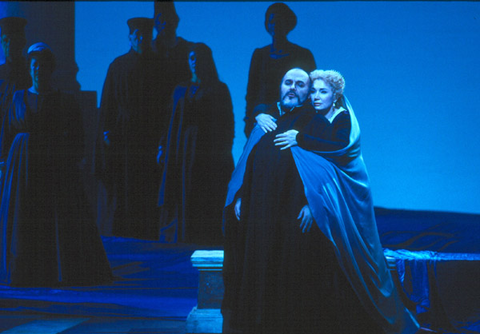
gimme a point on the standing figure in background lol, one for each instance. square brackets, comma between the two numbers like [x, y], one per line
[48, 235]
[171, 52]
[198, 160]
[269, 64]
[14, 72]
[129, 111]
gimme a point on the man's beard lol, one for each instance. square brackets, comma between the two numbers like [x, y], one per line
[290, 102]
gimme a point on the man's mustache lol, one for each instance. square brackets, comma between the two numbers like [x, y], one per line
[290, 91]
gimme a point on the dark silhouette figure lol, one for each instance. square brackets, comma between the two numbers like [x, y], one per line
[269, 64]
[171, 52]
[129, 108]
[48, 236]
[14, 72]
[198, 161]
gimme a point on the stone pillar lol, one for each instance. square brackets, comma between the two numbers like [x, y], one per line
[206, 316]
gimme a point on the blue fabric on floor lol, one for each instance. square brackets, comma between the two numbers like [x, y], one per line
[438, 263]
[152, 280]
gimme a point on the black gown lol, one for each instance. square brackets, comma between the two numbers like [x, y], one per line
[265, 74]
[131, 114]
[198, 164]
[48, 236]
[278, 279]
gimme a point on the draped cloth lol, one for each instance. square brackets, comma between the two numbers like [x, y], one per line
[337, 190]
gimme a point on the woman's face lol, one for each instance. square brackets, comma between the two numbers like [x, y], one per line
[40, 70]
[192, 61]
[322, 96]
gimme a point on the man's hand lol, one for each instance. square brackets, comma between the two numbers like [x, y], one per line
[307, 219]
[266, 122]
[286, 139]
[238, 204]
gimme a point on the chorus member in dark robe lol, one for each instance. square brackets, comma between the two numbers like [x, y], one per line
[171, 52]
[198, 160]
[269, 63]
[129, 108]
[47, 235]
[14, 72]
[344, 274]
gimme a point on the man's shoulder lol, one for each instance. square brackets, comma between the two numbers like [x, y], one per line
[264, 50]
[124, 58]
[265, 108]
[183, 42]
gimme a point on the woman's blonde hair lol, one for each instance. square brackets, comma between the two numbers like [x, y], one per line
[332, 78]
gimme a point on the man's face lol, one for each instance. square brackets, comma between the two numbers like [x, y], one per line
[140, 41]
[164, 24]
[294, 88]
[13, 45]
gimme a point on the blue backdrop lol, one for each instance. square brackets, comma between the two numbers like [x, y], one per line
[411, 68]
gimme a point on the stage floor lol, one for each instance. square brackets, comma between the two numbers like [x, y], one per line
[156, 285]
[155, 289]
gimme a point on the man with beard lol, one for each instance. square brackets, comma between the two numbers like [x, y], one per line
[271, 244]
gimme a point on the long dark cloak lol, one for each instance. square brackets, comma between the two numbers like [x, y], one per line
[198, 163]
[48, 236]
[134, 123]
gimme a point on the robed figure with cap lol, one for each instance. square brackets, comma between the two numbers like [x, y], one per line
[48, 236]
[14, 72]
[129, 111]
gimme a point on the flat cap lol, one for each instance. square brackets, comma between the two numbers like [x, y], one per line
[143, 24]
[12, 25]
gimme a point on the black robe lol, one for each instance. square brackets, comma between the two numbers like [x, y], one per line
[130, 110]
[48, 236]
[198, 163]
[266, 73]
[278, 279]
